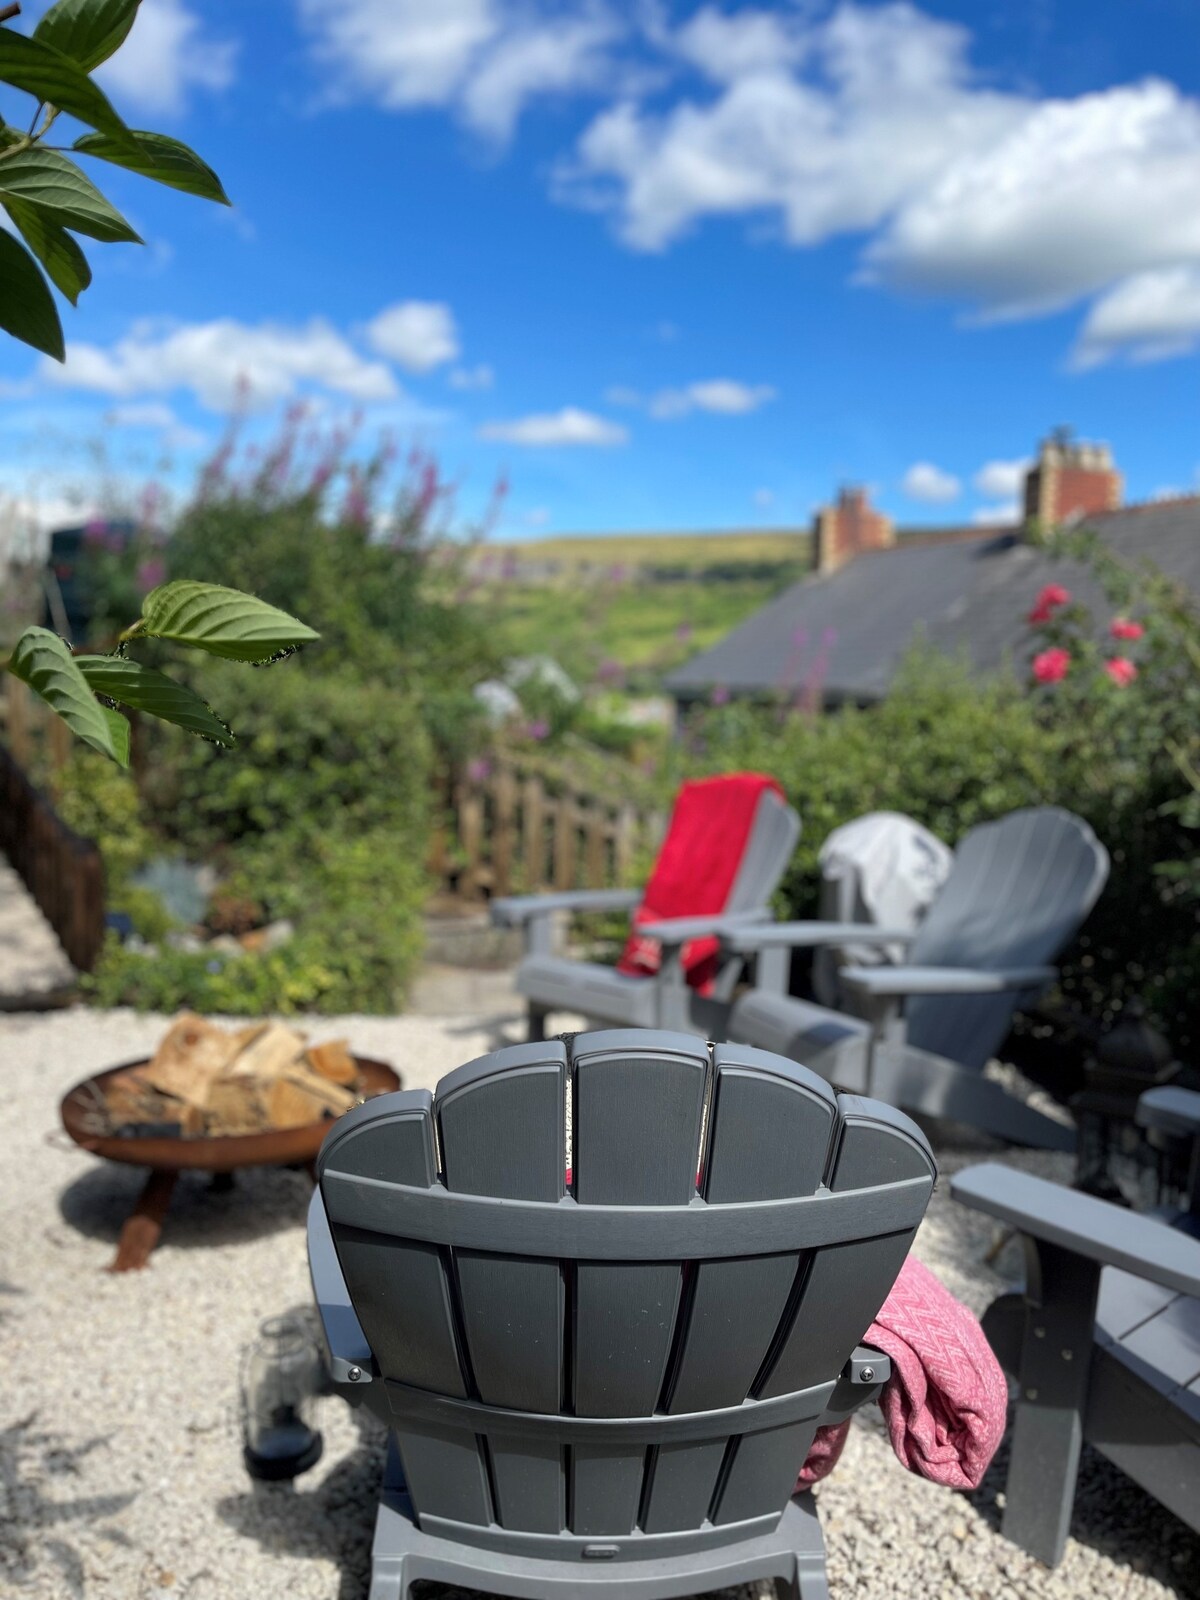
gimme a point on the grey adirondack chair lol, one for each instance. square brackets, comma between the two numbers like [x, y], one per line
[1104, 1343]
[608, 1387]
[1018, 891]
[554, 983]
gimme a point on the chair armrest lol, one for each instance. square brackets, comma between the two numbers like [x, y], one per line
[1170, 1110]
[878, 982]
[1085, 1226]
[678, 930]
[515, 910]
[345, 1342]
[810, 935]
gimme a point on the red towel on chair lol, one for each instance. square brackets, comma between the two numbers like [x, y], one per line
[946, 1399]
[695, 871]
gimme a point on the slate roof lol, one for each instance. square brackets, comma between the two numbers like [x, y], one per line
[969, 590]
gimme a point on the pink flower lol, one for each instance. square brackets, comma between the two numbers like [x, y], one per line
[1048, 602]
[1123, 628]
[1051, 666]
[479, 769]
[720, 695]
[1121, 670]
[538, 729]
[150, 574]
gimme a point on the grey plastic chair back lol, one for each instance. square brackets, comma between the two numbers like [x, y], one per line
[769, 848]
[635, 1365]
[1018, 892]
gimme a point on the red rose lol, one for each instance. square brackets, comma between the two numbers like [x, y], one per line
[1122, 628]
[1121, 670]
[1051, 666]
[1048, 602]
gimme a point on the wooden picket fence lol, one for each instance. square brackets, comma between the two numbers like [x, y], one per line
[63, 872]
[37, 740]
[521, 829]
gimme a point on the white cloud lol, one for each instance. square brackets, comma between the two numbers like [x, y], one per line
[1077, 194]
[764, 498]
[478, 377]
[141, 414]
[1151, 316]
[419, 334]
[568, 426]
[485, 59]
[726, 47]
[724, 396]
[158, 417]
[924, 481]
[620, 394]
[1002, 480]
[165, 56]
[1005, 514]
[884, 102]
[551, 57]
[225, 362]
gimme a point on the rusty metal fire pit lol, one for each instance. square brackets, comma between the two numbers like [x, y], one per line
[167, 1157]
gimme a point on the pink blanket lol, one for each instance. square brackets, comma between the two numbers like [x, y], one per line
[946, 1399]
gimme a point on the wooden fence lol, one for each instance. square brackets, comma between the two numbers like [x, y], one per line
[62, 871]
[516, 829]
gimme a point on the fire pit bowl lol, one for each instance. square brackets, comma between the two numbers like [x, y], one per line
[169, 1155]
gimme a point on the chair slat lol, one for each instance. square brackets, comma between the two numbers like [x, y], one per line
[846, 1284]
[401, 1292]
[770, 1129]
[637, 1117]
[502, 1127]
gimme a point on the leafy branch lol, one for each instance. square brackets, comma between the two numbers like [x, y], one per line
[87, 691]
[46, 194]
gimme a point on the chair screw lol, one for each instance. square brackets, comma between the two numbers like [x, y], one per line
[867, 1374]
[1068, 1355]
[1031, 1394]
[353, 1374]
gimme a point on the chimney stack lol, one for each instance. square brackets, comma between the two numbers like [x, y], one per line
[849, 529]
[1071, 479]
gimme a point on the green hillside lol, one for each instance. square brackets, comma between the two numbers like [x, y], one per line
[640, 602]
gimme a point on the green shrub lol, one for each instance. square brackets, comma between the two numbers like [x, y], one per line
[319, 814]
[941, 748]
[357, 910]
[315, 753]
[100, 801]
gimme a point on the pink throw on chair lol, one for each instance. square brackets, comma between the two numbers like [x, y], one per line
[946, 1400]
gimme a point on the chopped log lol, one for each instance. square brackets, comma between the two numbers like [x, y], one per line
[333, 1060]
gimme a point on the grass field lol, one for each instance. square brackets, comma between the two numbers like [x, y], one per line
[640, 602]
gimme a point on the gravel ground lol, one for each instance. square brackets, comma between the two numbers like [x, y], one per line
[120, 1469]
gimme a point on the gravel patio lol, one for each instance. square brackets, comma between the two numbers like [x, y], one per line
[120, 1465]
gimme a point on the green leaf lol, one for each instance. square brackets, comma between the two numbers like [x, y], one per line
[44, 662]
[54, 248]
[87, 30]
[225, 622]
[46, 179]
[119, 731]
[27, 308]
[147, 690]
[154, 155]
[47, 74]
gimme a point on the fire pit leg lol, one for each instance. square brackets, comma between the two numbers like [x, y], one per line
[144, 1224]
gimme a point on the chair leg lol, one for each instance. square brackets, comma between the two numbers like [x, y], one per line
[809, 1583]
[537, 1024]
[388, 1580]
[1047, 1432]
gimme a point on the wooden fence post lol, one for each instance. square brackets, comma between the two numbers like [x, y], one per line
[533, 834]
[503, 831]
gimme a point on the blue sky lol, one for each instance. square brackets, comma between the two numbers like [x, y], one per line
[664, 265]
